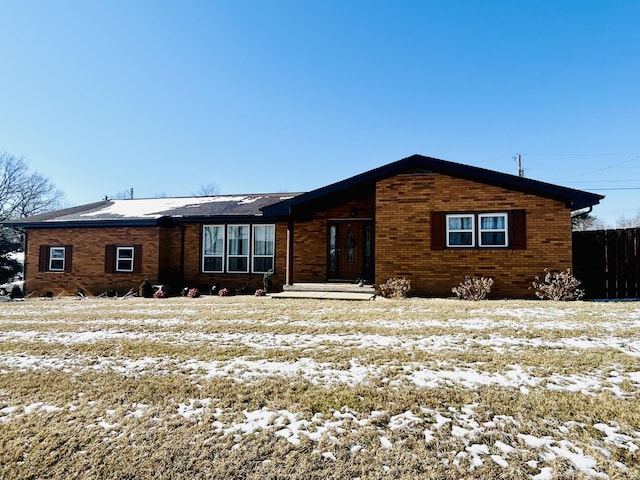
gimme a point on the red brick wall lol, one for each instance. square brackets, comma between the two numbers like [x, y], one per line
[88, 259]
[403, 232]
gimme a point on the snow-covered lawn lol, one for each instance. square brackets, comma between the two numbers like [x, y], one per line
[246, 387]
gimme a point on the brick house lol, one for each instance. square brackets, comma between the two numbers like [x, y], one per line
[429, 220]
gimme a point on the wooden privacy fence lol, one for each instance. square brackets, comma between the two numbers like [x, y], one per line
[608, 262]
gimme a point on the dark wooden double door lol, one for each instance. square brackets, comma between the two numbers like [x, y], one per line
[350, 250]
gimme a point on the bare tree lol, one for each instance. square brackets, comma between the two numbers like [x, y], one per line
[24, 193]
[585, 221]
[207, 190]
[624, 222]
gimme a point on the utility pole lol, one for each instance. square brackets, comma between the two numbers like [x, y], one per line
[520, 170]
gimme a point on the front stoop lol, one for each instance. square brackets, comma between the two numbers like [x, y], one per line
[335, 291]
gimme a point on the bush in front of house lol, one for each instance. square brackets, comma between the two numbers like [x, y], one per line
[16, 292]
[473, 288]
[146, 289]
[395, 288]
[558, 285]
[267, 282]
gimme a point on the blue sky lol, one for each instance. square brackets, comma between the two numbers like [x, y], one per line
[282, 96]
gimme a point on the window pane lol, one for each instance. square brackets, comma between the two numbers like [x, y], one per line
[493, 238]
[238, 264]
[125, 265]
[460, 223]
[213, 240]
[238, 239]
[57, 265]
[492, 223]
[460, 238]
[262, 264]
[263, 239]
[213, 264]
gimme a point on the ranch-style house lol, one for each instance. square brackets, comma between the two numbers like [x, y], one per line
[429, 220]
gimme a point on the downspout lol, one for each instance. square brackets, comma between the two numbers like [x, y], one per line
[288, 279]
[183, 230]
[24, 263]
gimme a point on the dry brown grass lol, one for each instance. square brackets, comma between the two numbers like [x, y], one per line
[94, 389]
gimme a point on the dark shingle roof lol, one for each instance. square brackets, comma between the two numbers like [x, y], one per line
[575, 199]
[151, 211]
[155, 211]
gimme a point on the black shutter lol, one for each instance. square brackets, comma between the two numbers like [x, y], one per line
[109, 258]
[68, 251]
[437, 231]
[137, 259]
[518, 229]
[43, 262]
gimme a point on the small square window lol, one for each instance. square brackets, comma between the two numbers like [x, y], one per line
[460, 231]
[493, 230]
[56, 259]
[124, 259]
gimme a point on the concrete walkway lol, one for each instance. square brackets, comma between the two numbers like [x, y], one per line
[334, 291]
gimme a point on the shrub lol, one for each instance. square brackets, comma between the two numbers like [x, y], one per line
[224, 292]
[267, 283]
[193, 293]
[260, 293]
[160, 293]
[242, 289]
[146, 289]
[395, 287]
[562, 286]
[473, 288]
[16, 292]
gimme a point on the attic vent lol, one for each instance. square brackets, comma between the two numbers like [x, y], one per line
[417, 171]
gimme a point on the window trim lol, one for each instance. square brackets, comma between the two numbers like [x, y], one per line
[53, 259]
[504, 230]
[477, 230]
[117, 268]
[231, 256]
[44, 258]
[254, 255]
[222, 228]
[449, 231]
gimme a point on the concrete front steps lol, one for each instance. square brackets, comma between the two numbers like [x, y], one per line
[331, 290]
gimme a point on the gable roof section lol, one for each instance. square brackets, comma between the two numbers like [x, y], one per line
[574, 199]
[154, 211]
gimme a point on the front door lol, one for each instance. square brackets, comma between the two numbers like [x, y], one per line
[350, 250]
